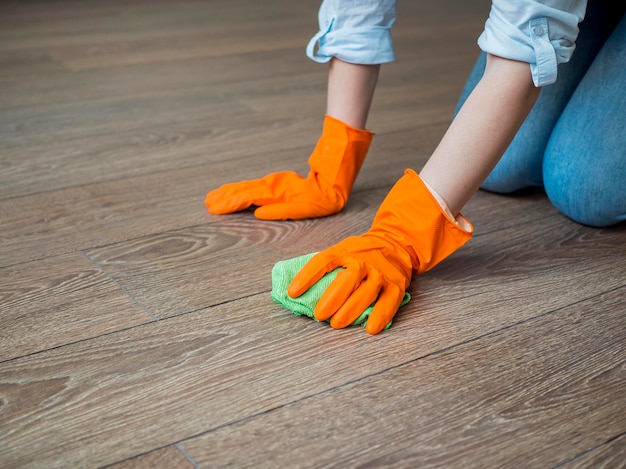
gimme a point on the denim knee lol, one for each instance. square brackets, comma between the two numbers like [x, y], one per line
[585, 176]
[354, 31]
[586, 199]
[584, 167]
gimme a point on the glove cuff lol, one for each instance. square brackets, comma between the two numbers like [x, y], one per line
[338, 156]
[411, 215]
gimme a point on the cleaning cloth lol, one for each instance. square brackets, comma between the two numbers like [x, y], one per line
[284, 272]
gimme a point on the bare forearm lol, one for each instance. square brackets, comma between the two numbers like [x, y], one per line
[481, 131]
[350, 91]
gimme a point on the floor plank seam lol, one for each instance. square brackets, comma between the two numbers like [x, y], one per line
[116, 283]
[189, 458]
[524, 321]
[306, 397]
[206, 308]
[153, 450]
[391, 368]
[75, 342]
[161, 320]
[587, 451]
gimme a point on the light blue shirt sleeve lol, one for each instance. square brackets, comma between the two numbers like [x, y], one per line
[355, 31]
[540, 32]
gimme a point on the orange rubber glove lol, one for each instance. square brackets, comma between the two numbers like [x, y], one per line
[335, 164]
[410, 235]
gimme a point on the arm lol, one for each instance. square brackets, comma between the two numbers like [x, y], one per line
[481, 131]
[334, 163]
[410, 233]
[350, 91]
[355, 37]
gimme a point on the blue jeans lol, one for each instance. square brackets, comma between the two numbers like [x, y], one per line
[573, 143]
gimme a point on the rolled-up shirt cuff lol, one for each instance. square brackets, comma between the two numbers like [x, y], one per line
[359, 46]
[355, 31]
[533, 32]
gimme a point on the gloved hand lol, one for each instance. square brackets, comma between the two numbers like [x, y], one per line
[335, 164]
[410, 234]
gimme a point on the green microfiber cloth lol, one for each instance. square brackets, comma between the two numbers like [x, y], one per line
[284, 272]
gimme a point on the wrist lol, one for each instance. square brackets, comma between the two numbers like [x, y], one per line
[459, 219]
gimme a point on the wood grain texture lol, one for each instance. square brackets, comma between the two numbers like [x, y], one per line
[456, 408]
[100, 141]
[116, 118]
[182, 271]
[609, 455]
[124, 151]
[57, 222]
[146, 25]
[166, 458]
[59, 300]
[212, 368]
[173, 112]
[48, 224]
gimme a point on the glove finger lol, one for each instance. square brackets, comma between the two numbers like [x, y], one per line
[232, 197]
[365, 294]
[292, 211]
[318, 266]
[238, 196]
[339, 290]
[385, 308]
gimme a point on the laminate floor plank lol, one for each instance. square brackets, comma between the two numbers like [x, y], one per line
[25, 63]
[155, 385]
[74, 124]
[122, 99]
[94, 141]
[112, 157]
[59, 87]
[58, 300]
[205, 41]
[146, 24]
[125, 394]
[137, 79]
[186, 270]
[560, 392]
[605, 456]
[78, 218]
[166, 458]
[123, 153]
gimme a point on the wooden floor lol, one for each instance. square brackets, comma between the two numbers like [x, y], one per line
[137, 330]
